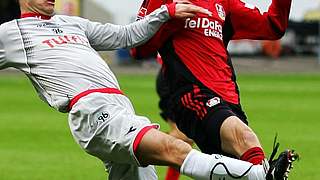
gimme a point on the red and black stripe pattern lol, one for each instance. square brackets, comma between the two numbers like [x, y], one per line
[193, 101]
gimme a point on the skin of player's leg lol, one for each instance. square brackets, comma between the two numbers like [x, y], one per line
[159, 148]
[236, 137]
[175, 132]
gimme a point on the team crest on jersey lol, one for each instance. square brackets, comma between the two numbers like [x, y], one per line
[142, 13]
[221, 12]
[214, 101]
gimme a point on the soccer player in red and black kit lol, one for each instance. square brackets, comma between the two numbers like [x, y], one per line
[204, 97]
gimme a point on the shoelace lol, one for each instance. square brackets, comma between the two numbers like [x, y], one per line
[274, 149]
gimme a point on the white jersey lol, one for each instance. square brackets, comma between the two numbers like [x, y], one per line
[59, 55]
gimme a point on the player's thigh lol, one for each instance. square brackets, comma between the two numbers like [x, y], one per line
[200, 115]
[106, 126]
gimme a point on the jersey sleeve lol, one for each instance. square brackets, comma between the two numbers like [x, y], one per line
[249, 23]
[165, 32]
[110, 36]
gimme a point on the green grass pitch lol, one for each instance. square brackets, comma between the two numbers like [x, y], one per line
[35, 142]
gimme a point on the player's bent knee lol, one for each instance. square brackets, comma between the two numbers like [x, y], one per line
[250, 138]
[237, 137]
[245, 135]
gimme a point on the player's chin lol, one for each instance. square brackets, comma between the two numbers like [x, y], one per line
[48, 12]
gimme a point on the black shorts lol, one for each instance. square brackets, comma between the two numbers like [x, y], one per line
[199, 113]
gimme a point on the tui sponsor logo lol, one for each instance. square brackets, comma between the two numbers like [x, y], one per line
[66, 39]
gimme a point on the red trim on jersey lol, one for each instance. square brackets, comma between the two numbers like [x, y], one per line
[76, 98]
[172, 9]
[36, 15]
[140, 135]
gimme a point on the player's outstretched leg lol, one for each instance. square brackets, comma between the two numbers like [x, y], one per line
[203, 167]
[161, 149]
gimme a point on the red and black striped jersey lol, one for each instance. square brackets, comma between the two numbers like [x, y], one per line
[200, 42]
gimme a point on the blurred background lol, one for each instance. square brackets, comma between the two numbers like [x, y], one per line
[302, 37]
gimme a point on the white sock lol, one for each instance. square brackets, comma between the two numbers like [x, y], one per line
[202, 166]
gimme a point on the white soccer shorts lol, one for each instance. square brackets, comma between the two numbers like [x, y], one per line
[105, 126]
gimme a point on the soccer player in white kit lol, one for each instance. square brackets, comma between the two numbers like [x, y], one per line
[58, 54]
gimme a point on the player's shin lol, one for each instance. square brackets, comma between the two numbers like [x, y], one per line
[202, 166]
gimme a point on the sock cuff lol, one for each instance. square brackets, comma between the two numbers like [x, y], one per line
[186, 160]
[172, 174]
[254, 155]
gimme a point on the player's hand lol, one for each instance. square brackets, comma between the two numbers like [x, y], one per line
[184, 9]
[182, 1]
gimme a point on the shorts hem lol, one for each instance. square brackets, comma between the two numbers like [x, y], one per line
[139, 137]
